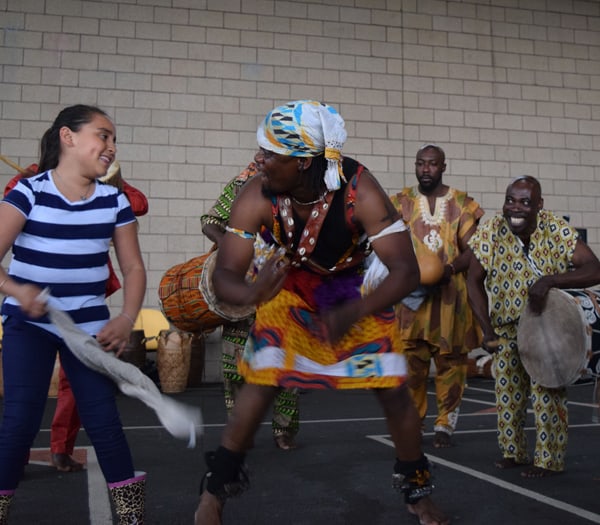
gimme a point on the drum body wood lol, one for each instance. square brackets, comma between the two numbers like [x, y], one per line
[555, 346]
[430, 268]
[182, 301]
[54, 379]
[197, 358]
[188, 300]
[135, 350]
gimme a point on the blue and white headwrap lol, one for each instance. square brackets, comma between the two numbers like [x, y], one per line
[306, 128]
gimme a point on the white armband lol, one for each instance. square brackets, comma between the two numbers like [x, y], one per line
[396, 227]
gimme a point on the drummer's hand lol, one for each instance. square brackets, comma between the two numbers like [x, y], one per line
[270, 278]
[338, 321]
[30, 300]
[538, 293]
[115, 335]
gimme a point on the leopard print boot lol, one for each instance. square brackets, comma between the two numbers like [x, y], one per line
[129, 499]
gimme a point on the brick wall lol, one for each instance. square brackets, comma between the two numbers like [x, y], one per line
[507, 87]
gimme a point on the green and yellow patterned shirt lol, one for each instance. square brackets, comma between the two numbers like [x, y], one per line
[511, 271]
[221, 211]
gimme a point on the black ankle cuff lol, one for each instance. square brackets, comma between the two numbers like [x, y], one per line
[227, 475]
[413, 479]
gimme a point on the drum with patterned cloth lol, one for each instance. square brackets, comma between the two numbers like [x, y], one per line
[188, 301]
[556, 346]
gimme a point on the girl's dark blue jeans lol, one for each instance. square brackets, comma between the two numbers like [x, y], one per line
[28, 356]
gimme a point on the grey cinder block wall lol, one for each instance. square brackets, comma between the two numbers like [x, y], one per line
[507, 87]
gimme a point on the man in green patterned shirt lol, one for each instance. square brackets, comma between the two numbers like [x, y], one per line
[285, 422]
[518, 257]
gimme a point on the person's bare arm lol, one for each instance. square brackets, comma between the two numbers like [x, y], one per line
[115, 334]
[214, 232]
[478, 300]
[250, 211]
[586, 273]
[374, 211]
[461, 263]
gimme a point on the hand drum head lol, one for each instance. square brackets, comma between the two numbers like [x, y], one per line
[555, 346]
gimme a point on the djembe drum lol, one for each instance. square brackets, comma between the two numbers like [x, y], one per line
[188, 300]
[135, 350]
[556, 346]
[173, 356]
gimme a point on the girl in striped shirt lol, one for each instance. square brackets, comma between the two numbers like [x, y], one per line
[60, 224]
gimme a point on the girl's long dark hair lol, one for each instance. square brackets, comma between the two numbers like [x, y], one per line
[73, 117]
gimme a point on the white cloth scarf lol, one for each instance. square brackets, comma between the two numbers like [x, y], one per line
[180, 420]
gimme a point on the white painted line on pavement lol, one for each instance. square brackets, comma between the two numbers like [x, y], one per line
[561, 505]
[98, 498]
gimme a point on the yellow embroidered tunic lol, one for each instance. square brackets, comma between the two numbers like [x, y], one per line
[445, 318]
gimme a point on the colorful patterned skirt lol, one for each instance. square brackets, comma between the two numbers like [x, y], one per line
[286, 346]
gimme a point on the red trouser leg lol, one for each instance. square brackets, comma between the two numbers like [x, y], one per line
[65, 423]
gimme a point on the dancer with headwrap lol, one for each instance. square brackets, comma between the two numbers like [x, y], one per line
[320, 322]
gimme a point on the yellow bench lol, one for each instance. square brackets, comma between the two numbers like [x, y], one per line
[151, 321]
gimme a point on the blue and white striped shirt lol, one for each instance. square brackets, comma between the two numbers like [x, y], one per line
[64, 246]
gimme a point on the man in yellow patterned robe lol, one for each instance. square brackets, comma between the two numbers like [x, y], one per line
[518, 257]
[441, 328]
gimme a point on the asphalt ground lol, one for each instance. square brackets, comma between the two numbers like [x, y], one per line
[340, 474]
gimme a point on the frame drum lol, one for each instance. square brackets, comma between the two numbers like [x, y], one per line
[555, 346]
